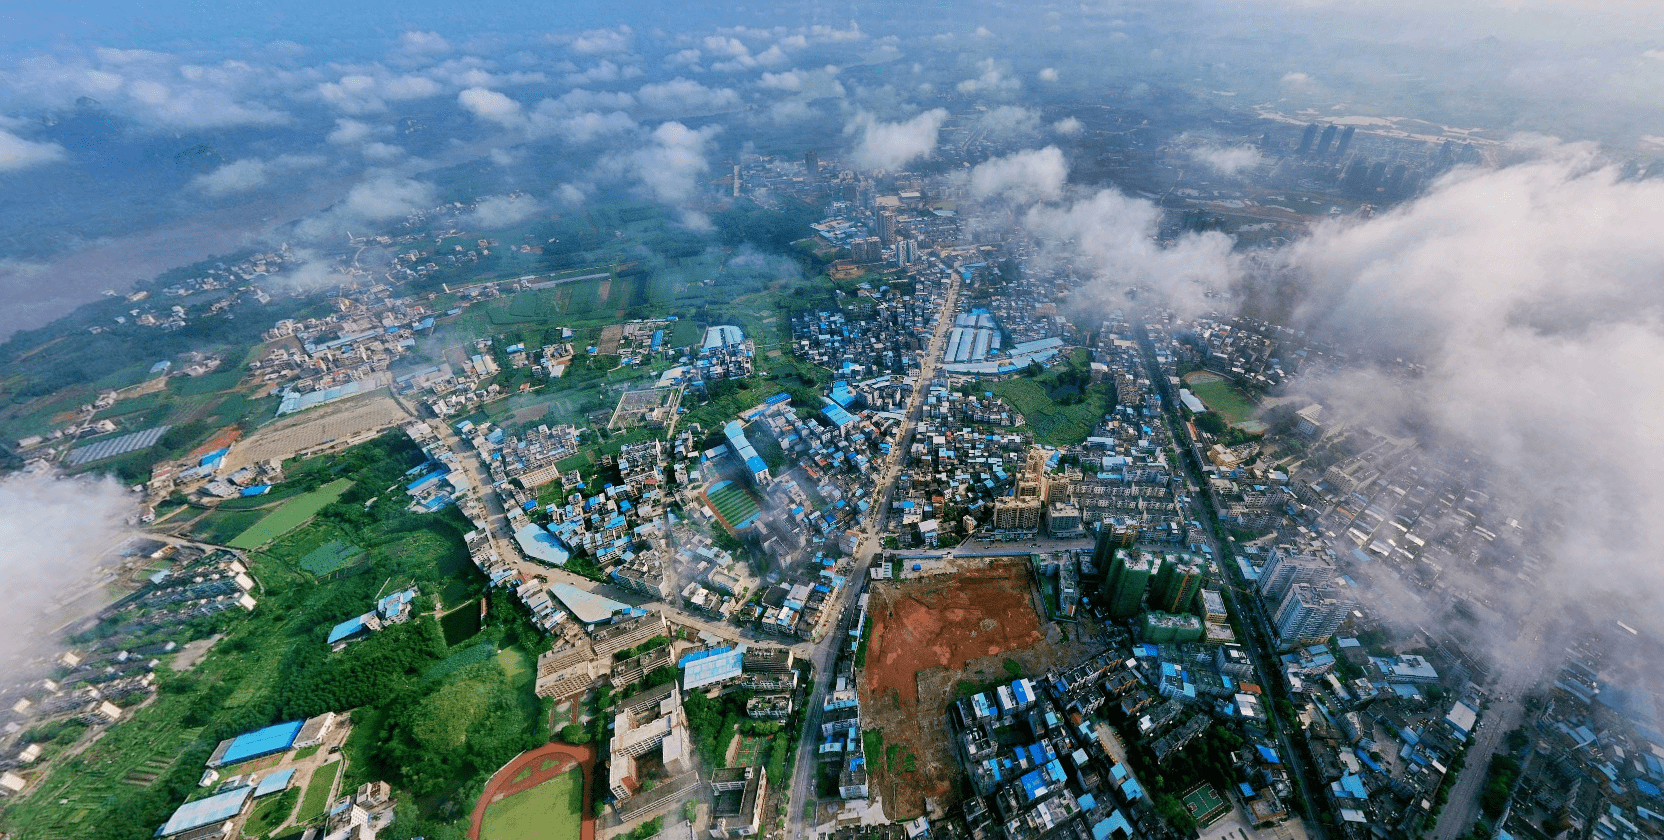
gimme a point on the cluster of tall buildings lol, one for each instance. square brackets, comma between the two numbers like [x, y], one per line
[1308, 599]
[1318, 145]
[1171, 583]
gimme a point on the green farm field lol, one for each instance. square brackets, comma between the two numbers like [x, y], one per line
[290, 515]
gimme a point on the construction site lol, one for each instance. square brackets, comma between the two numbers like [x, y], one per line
[935, 639]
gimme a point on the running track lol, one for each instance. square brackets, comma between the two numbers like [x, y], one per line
[502, 782]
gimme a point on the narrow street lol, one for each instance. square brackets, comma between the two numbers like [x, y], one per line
[826, 652]
[502, 542]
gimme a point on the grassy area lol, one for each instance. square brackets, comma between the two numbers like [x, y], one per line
[1044, 402]
[1221, 397]
[291, 515]
[550, 811]
[317, 792]
[516, 666]
[271, 813]
[330, 557]
[220, 527]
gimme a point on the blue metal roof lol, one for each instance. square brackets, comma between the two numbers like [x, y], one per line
[261, 742]
[713, 669]
[274, 782]
[217, 808]
[345, 629]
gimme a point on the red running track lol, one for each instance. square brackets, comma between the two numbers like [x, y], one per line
[502, 783]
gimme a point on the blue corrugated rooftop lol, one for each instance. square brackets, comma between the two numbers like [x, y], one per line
[274, 782]
[262, 742]
[217, 808]
[345, 629]
[713, 669]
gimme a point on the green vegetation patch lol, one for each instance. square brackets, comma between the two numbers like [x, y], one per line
[291, 515]
[1059, 406]
[461, 624]
[515, 666]
[461, 659]
[271, 813]
[317, 792]
[330, 557]
[220, 527]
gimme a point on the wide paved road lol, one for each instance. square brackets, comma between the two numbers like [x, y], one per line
[826, 652]
[1247, 609]
[1502, 717]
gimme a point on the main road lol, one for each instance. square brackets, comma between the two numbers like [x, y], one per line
[1503, 716]
[1251, 616]
[826, 650]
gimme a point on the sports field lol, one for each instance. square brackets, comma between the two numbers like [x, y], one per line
[550, 811]
[753, 750]
[290, 515]
[1219, 396]
[733, 504]
[1204, 805]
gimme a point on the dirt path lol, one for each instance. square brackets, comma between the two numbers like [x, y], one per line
[504, 782]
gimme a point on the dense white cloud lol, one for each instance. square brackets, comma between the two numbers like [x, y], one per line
[723, 46]
[491, 106]
[388, 196]
[581, 127]
[17, 153]
[499, 211]
[884, 145]
[53, 532]
[1068, 127]
[1111, 238]
[789, 80]
[668, 167]
[600, 41]
[1029, 175]
[378, 152]
[604, 71]
[249, 173]
[363, 93]
[349, 132]
[154, 89]
[684, 58]
[684, 97]
[1531, 295]
[423, 43]
[1008, 121]
[380, 197]
[1227, 160]
[991, 80]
